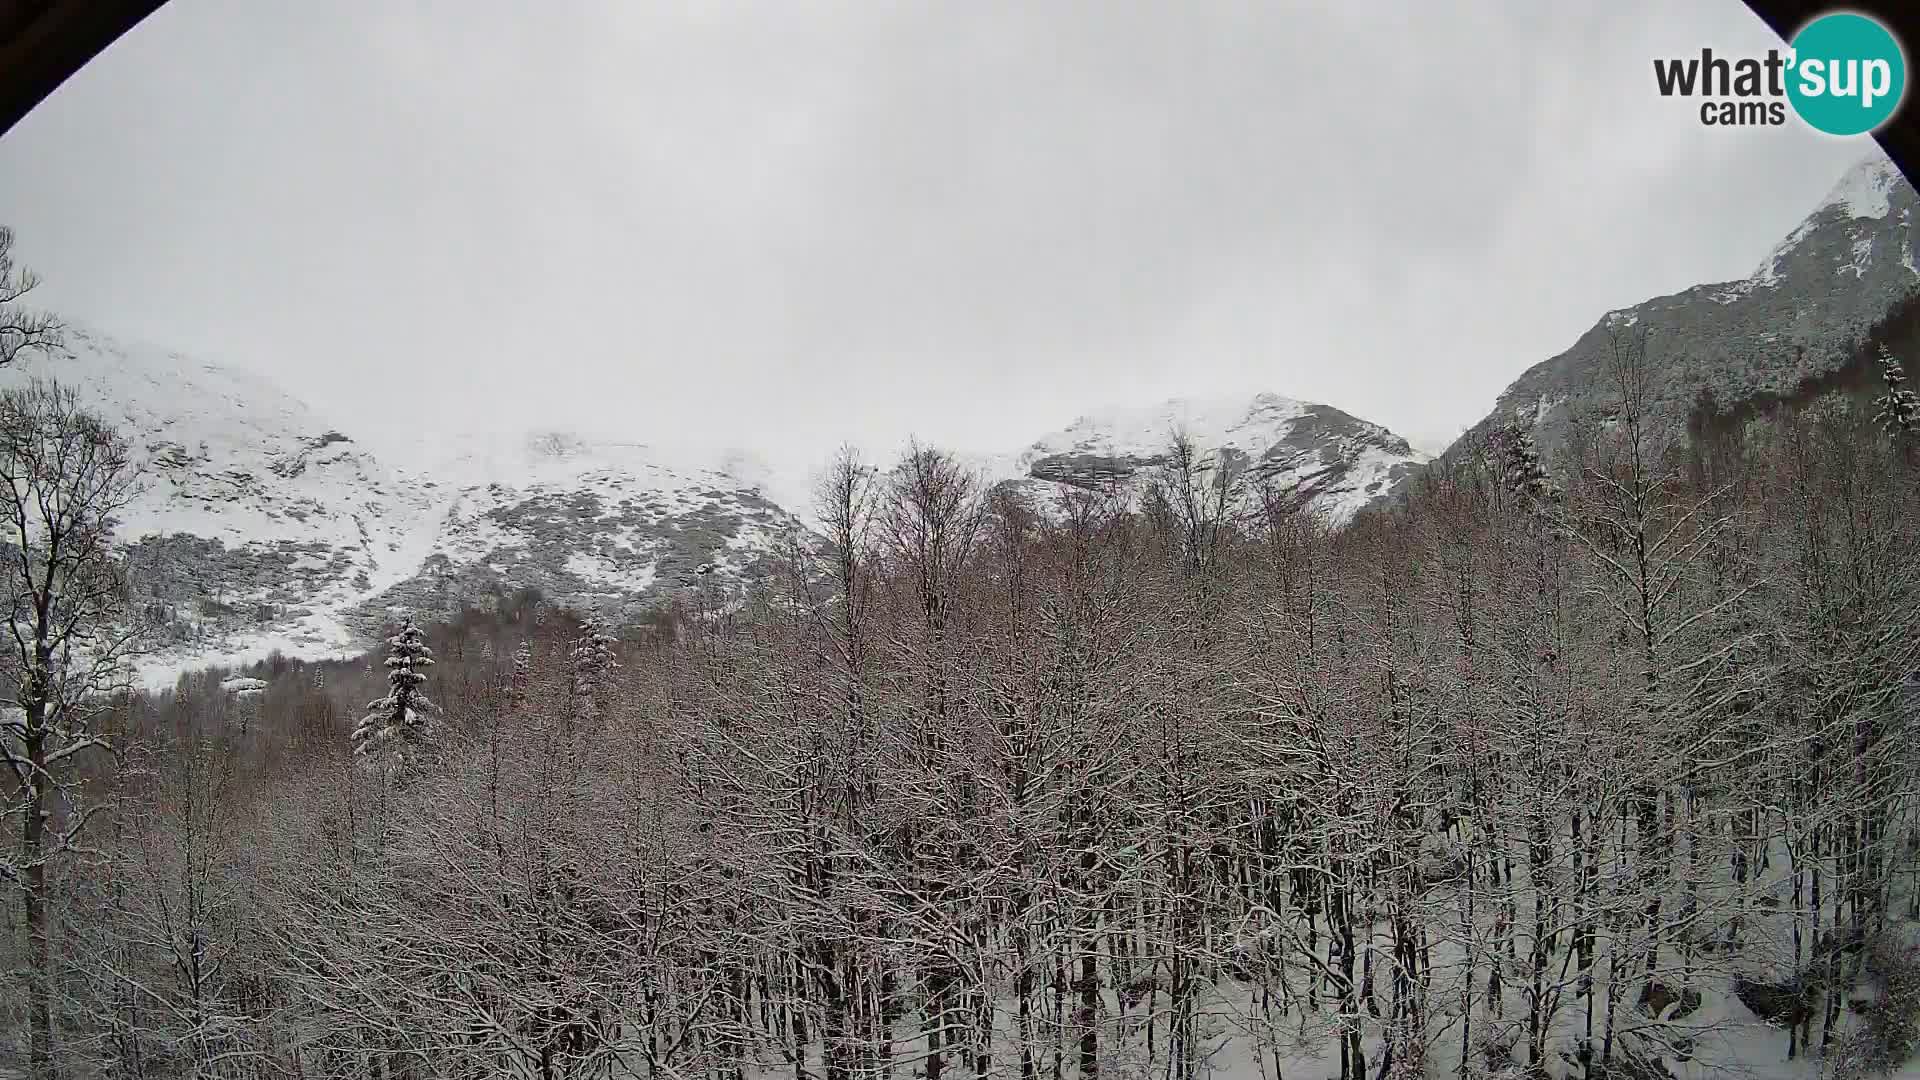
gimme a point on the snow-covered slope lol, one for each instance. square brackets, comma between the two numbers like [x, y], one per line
[1334, 462]
[257, 523]
[1795, 319]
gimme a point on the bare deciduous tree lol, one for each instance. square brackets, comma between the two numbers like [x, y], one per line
[67, 475]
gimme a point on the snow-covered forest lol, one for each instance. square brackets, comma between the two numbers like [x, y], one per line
[1591, 761]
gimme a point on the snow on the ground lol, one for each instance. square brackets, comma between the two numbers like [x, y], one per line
[161, 670]
[628, 575]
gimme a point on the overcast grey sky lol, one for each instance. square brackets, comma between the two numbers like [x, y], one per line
[784, 223]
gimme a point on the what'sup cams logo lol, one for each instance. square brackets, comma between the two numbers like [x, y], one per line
[1844, 74]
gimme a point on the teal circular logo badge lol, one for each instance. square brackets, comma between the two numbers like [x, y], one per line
[1848, 74]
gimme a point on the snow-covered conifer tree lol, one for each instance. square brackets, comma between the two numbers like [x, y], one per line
[1897, 410]
[593, 660]
[400, 726]
[1518, 460]
[522, 676]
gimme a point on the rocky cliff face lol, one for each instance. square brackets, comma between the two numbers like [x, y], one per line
[1797, 317]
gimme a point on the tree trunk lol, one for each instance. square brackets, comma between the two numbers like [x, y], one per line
[34, 901]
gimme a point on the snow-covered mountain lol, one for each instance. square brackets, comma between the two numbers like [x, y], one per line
[1795, 320]
[597, 523]
[1333, 462]
[257, 524]
[260, 526]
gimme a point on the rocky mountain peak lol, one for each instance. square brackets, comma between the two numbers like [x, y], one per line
[1797, 318]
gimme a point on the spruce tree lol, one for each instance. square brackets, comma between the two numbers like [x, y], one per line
[400, 727]
[1897, 410]
[522, 676]
[592, 662]
[1518, 460]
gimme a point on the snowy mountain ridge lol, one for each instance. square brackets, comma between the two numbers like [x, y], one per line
[1333, 462]
[1245, 422]
[1865, 191]
[261, 526]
